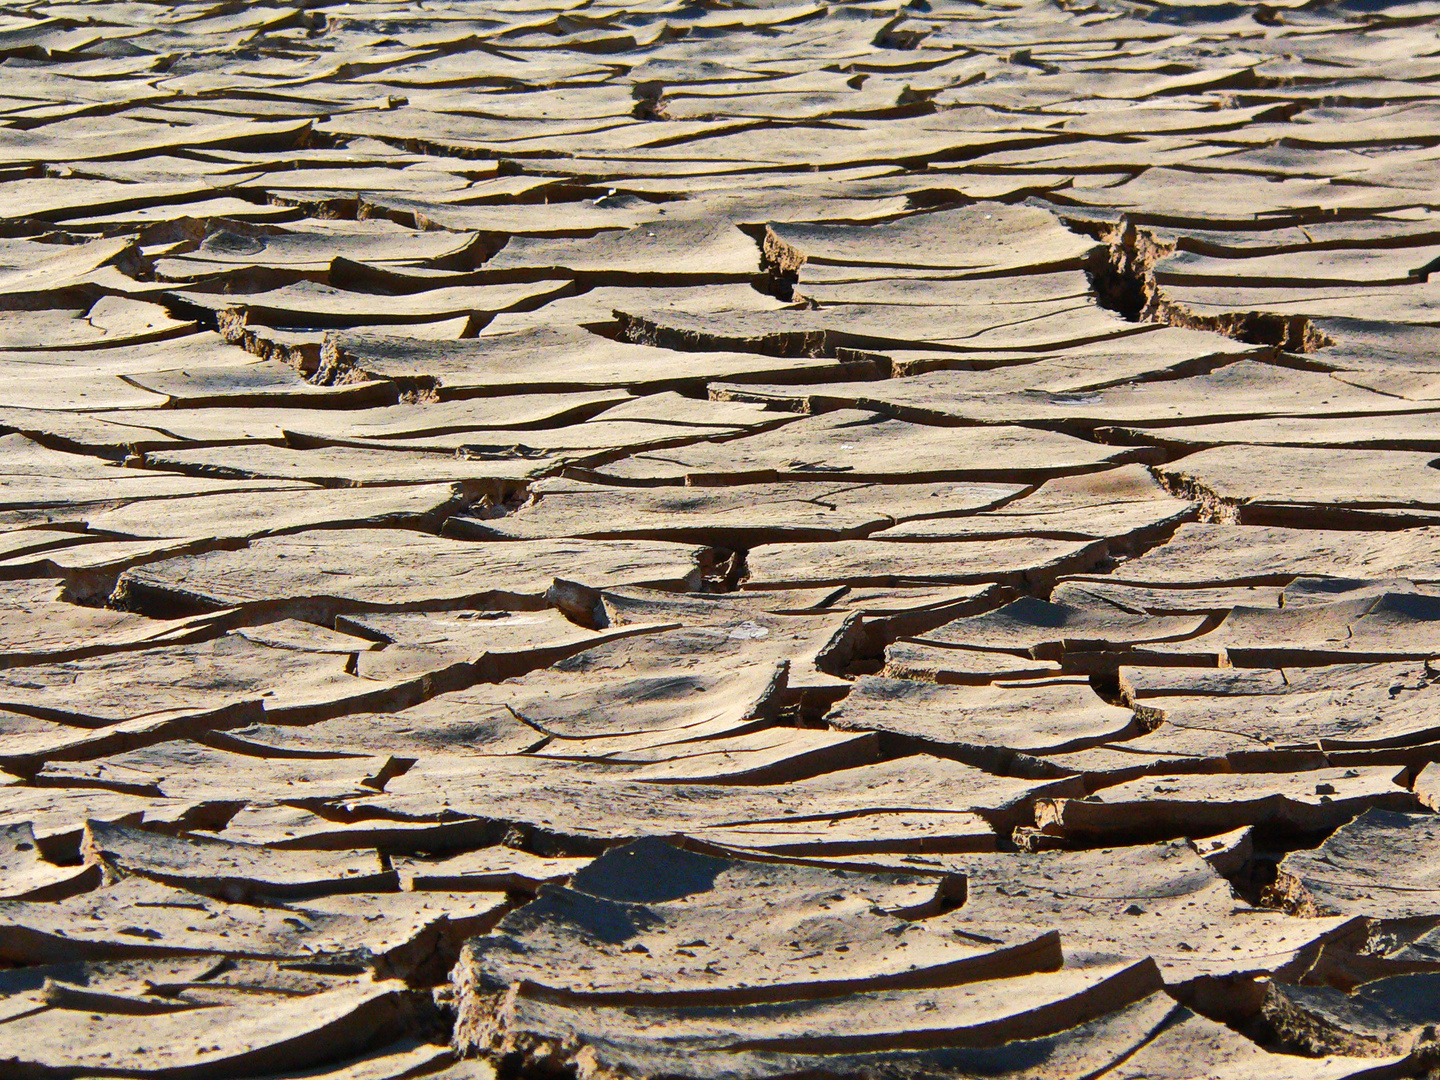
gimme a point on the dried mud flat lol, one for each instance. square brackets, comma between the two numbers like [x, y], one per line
[697, 540]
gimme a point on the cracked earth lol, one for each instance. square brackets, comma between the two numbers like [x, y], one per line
[688, 540]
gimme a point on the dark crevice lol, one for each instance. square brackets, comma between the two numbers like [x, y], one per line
[1122, 275]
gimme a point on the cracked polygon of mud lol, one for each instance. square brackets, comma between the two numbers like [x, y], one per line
[624, 543]
[741, 516]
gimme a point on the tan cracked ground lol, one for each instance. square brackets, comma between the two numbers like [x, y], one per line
[706, 539]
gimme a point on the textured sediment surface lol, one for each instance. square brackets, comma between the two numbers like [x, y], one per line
[719, 540]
